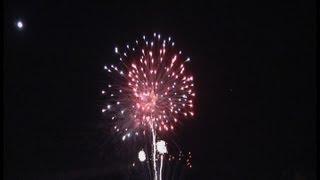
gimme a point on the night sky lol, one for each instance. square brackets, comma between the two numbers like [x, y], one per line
[254, 69]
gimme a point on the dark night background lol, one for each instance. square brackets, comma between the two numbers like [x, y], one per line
[254, 67]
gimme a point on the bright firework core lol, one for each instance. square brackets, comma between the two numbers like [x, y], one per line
[147, 101]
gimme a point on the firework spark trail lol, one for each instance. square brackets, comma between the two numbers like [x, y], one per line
[154, 152]
[161, 149]
[152, 90]
[161, 164]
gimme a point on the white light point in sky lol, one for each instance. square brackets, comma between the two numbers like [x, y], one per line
[142, 156]
[19, 24]
[161, 147]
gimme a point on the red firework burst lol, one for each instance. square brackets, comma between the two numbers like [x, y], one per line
[151, 87]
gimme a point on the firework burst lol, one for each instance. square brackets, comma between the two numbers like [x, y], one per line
[151, 87]
[151, 90]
